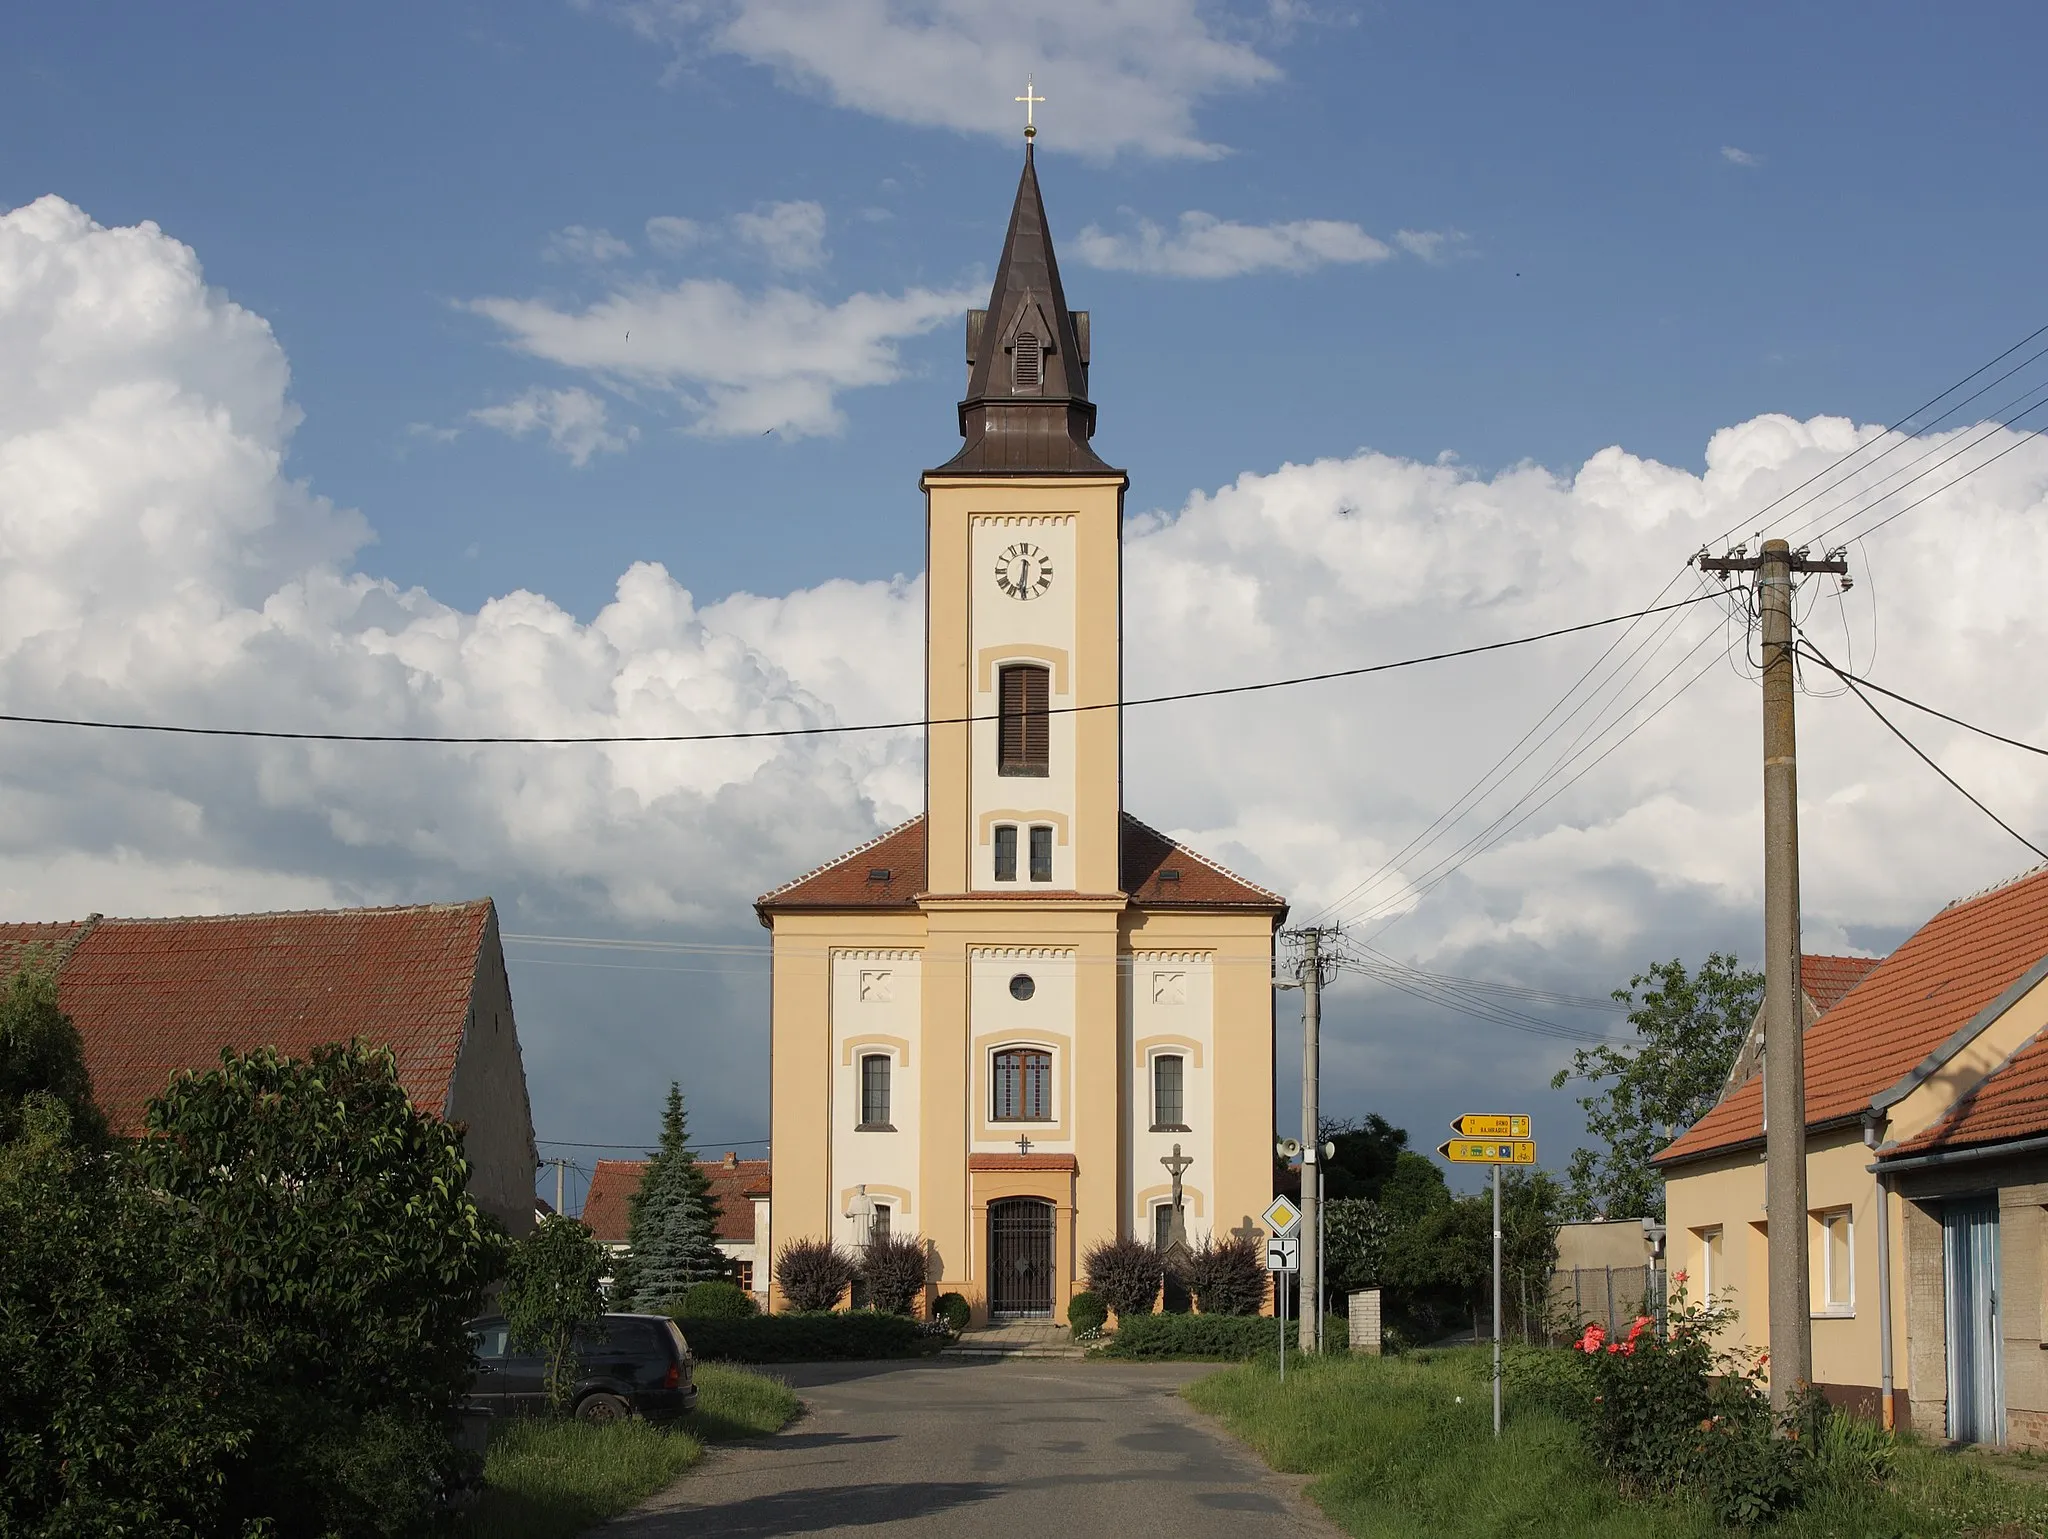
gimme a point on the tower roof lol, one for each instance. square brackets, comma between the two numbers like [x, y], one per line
[1027, 410]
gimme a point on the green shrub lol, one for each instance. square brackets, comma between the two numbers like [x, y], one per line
[715, 1301]
[1086, 1314]
[954, 1309]
[1226, 1338]
[806, 1338]
[1127, 1274]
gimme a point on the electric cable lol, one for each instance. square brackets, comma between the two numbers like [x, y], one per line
[1849, 677]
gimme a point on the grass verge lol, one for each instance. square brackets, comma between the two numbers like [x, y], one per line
[553, 1479]
[1403, 1448]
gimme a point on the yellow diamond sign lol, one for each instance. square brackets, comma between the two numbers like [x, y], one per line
[1283, 1217]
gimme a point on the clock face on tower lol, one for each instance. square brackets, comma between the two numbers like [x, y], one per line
[1023, 571]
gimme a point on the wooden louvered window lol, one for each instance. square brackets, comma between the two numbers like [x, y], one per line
[1023, 725]
[1027, 365]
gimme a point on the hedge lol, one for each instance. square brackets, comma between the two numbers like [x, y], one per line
[807, 1338]
[1231, 1338]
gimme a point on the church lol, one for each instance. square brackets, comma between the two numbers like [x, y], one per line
[1023, 1022]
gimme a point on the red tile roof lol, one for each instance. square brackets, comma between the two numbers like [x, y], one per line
[612, 1185]
[153, 996]
[1827, 979]
[735, 1183]
[1903, 1010]
[1156, 873]
[2011, 1103]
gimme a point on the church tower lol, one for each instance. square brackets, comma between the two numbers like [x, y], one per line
[1023, 1022]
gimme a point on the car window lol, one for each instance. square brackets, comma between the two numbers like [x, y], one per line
[682, 1344]
[491, 1341]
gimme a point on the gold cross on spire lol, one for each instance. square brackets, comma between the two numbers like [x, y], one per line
[1029, 100]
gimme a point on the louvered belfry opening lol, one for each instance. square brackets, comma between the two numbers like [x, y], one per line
[1024, 728]
[1027, 365]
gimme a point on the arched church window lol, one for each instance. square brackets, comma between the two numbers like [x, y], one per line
[1027, 365]
[874, 1093]
[1041, 852]
[1023, 720]
[1006, 852]
[1023, 1085]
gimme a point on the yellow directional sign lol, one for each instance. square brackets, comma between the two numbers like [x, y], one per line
[1490, 1125]
[1489, 1151]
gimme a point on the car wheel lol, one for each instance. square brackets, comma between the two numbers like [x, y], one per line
[602, 1410]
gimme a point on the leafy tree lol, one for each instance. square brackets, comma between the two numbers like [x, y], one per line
[672, 1224]
[117, 1402]
[41, 1054]
[1366, 1154]
[339, 1241]
[1356, 1233]
[1688, 1028]
[1415, 1189]
[553, 1288]
[1446, 1252]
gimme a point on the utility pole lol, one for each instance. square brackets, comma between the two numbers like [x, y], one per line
[561, 1166]
[1791, 1299]
[1311, 1326]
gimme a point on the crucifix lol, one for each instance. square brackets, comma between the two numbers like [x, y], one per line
[1176, 1163]
[1023, 1144]
[1030, 101]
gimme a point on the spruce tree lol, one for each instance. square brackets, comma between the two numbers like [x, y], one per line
[673, 1229]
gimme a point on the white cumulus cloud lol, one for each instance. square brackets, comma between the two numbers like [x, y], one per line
[1207, 247]
[158, 563]
[789, 235]
[581, 243]
[574, 420]
[670, 233]
[1736, 157]
[1126, 75]
[739, 363]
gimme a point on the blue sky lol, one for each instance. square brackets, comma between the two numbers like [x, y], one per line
[1625, 225]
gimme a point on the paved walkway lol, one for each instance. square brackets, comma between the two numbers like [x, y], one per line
[1016, 1338]
[985, 1447]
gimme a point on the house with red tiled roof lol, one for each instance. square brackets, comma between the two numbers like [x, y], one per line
[1927, 1179]
[1023, 1021]
[739, 1187]
[154, 997]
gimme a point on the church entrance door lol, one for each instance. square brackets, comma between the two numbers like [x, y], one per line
[1020, 1257]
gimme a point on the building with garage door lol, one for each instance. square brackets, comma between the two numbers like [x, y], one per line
[1927, 1180]
[993, 1024]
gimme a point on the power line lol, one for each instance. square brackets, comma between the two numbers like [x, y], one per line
[1848, 677]
[1925, 759]
[503, 740]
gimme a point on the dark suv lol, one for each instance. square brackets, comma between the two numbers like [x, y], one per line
[626, 1365]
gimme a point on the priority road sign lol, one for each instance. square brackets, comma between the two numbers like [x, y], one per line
[1490, 1125]
[1283, 1217]
[1489, 1151]
[1284, 1254]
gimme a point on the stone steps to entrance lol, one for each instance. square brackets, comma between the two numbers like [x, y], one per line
[1016, 1338]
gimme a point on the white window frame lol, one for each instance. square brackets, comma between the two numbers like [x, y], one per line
[1709, 1237]
[1827, 1218]
[1053, 1111]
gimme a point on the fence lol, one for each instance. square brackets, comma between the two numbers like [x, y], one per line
[1611, 1296]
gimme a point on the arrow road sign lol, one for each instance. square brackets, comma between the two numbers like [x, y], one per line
[1489, 1151]
[1284, 1255]
[1490, 1125]
[1283, 1217]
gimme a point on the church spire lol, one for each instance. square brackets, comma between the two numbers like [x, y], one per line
[1027, 410]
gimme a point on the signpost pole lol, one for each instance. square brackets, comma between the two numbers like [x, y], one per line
[1280, 1298]
[1496, 1301]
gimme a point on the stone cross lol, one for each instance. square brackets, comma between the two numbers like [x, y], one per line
[1177, 1225]
[1023, 1144]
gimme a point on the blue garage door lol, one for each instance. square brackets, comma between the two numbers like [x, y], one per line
[1976, 1346]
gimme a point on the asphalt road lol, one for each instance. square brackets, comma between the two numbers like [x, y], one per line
[1065, 1450]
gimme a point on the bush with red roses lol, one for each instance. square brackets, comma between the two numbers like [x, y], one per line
[1670, 1410]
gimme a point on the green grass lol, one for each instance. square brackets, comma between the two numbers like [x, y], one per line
[1403, 1448]
[553, 1479]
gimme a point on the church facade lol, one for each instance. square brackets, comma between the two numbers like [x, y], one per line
[1024, 1021]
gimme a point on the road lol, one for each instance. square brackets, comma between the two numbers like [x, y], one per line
[1068, 1450]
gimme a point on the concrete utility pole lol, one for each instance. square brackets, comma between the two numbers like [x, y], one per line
[1311, 1140]
[1791, 1298]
